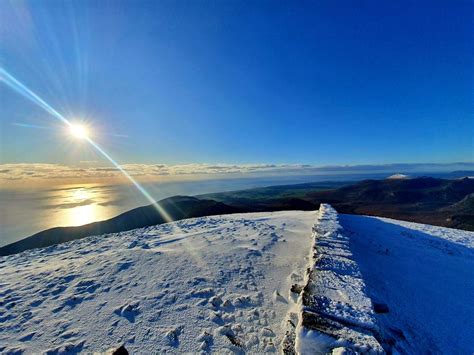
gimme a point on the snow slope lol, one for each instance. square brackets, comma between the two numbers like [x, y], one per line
[425, 275]
[215, 284]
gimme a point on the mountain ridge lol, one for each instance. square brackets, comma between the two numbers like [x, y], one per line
[441, 202]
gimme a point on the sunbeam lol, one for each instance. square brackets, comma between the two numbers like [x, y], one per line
[27, 125]
[82, 133]
[78, 131]
[17, 86]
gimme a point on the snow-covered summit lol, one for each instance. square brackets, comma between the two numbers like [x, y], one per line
[398, 177]
[212, 284]
[238, 284]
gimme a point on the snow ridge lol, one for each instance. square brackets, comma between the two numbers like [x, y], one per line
[334, 311]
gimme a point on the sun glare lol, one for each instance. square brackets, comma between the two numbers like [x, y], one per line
[80, 195]
[79, 131]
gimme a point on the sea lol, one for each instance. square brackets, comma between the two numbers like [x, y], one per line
[26, 211]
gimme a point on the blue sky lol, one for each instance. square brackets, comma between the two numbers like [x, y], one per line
[179, 82]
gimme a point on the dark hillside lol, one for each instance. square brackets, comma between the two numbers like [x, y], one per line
[178, 207]
[442, 202]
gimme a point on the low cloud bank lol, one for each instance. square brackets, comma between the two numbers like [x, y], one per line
[90, 170]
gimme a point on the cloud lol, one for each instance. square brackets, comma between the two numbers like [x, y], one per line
[40, 171]
[71, 204]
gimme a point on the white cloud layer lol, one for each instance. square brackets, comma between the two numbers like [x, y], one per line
[52, 171]
[90, 170]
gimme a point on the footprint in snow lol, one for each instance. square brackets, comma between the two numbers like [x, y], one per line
[196, 281]
[206, 340]
[216, 317]
[125, 266]
[278, 297]
[230, 333]
[216, 301]
[267, 332]
[36, 303]
[173, 334]
[86, 286]
[202, 293]
[68, 348]
[27, 337]
[296, 277]
[129, 311]
[132, 245]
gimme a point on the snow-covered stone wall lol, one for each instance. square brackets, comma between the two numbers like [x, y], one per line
[334, 312]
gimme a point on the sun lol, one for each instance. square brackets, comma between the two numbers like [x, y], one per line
[79, 131]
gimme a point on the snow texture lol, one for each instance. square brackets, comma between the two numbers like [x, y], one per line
[381, 285]
[222, 284]
[424, 276]
[334, 310]
[213, 284]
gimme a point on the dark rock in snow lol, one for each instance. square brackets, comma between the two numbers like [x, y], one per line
[380, 308]
[120, 351]
[297, 288]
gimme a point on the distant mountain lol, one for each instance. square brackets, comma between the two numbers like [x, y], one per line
[455, 174]
[424, 190]
[442, 202]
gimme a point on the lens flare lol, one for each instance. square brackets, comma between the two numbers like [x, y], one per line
[79, 131]
[17, 86]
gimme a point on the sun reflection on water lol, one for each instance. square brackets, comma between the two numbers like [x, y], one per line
[80, 194]
[79, 205]
[80, 215]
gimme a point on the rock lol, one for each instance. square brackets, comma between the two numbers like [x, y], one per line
[295, 288]
[120, 351]
[234, 340]
[380, 308]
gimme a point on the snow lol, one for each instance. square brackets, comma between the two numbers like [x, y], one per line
[221, 284]
[398, 177]
[334, 309]
[212, 284]
[377, 284]
[424, 275]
